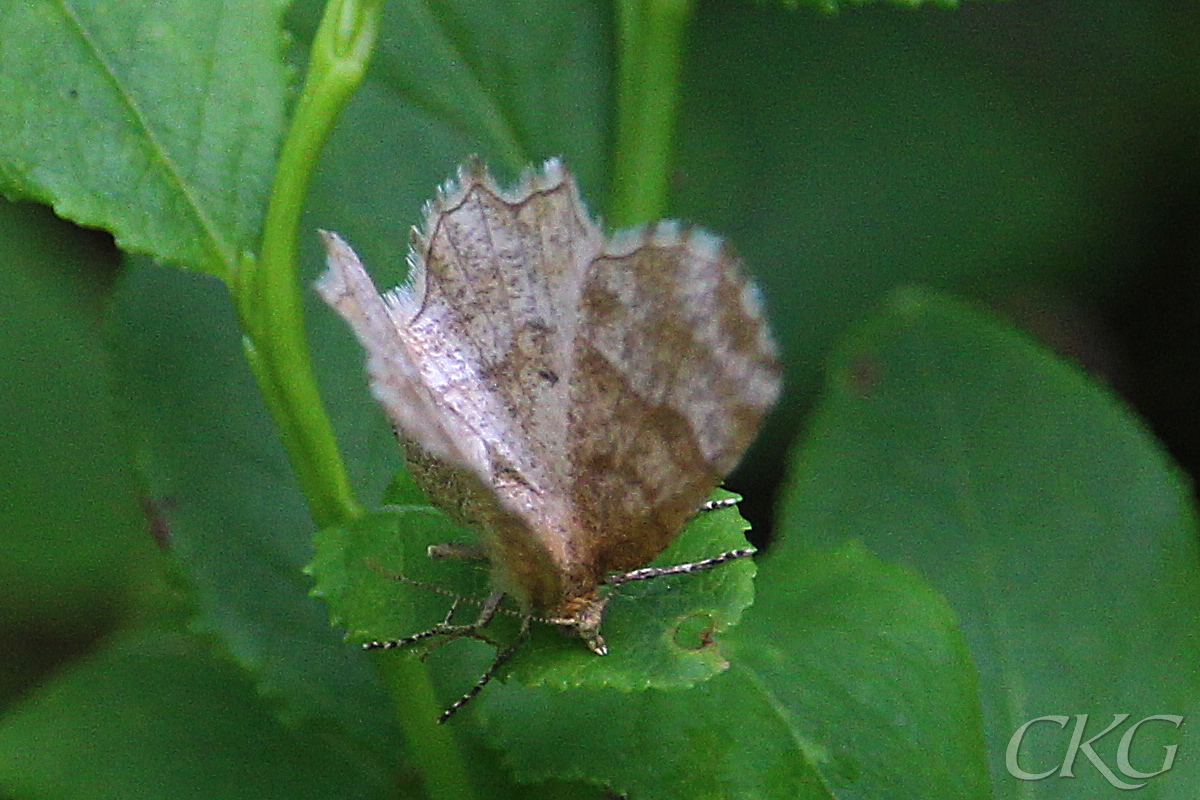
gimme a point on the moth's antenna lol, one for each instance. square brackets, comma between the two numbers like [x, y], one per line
[431, 587]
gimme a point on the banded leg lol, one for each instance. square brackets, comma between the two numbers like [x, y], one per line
[445, 627]
[449, 630]
[715, 505]
[502, 656]
[647, 573]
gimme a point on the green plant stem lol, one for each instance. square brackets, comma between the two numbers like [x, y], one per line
[649, 66]
[431, 747]
[270, 304]
[268, 291]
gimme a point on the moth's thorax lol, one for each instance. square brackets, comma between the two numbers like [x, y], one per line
[581, 616]
[539, 551]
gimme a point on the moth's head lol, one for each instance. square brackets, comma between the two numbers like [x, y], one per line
[585, 621]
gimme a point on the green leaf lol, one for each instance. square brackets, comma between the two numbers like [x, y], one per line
[1059, 531]
[155, 715]
[842, 648]
[158, 122]
[355, 567]
[661, 633]
[71, 531]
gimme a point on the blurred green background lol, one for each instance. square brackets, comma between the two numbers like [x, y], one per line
[1040, 157]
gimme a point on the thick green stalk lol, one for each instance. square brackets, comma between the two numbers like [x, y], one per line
[270, 303]
[649, 66]
[268, 291]
[432, 748]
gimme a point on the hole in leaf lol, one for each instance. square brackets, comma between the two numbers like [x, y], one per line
[694, 632]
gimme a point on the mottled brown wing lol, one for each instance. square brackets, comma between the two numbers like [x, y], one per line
[471, 358]
[674, 371]
[494, 278]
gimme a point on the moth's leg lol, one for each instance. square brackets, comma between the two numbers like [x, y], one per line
[502, 656]
[646, 573]
[489, 609]
[453, 607]
[447, 629]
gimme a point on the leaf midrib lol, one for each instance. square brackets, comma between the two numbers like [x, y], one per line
[219, 250]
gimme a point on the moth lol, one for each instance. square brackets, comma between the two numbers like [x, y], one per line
[572, 397]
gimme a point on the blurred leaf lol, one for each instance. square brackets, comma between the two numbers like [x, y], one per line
[237, 522]
[850, 5]
[76, 263]
[1061, 534]
[505, 76]
[153, 715]
[70, 527]
[866, 663]
[661, 633]
[156, 121]
[849, 680]
[844, 155]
